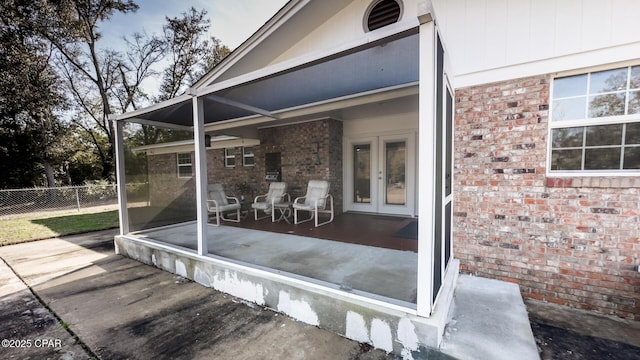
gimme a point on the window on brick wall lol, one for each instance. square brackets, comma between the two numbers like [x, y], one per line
[248, 157]
[185, 166]
[230, 157]
[595, 122]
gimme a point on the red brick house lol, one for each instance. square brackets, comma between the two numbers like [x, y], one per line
[519, 128]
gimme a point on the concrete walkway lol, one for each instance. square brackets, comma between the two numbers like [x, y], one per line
[23, 317]
[119, 308]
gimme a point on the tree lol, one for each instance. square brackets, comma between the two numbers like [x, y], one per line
[143, 52]
[83, 160]
[72, 28]
[191, 54]
[102, 82]
[30, 101]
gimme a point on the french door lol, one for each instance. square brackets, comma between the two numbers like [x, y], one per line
[381, 174]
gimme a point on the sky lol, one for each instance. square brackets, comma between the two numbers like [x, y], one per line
[232, 21]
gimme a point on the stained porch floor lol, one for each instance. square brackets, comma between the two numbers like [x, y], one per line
[355, 228]
[359, 258]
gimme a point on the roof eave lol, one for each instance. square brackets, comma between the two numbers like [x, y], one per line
[158, 106]
[284, 14]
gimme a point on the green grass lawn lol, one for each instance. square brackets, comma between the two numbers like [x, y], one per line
[14, 231]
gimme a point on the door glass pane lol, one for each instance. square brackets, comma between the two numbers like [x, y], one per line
[448, 187]
[447, 233]
[395, 159]
[362, 173]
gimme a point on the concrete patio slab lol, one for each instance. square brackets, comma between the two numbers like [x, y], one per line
[384, 272]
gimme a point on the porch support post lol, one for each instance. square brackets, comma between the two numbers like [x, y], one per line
[426, 162]
[201, 175]
[123, 211]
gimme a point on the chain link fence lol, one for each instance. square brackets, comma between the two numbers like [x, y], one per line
[21, 202]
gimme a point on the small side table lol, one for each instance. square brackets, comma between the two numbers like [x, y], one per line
[245, 208]
[284, 212]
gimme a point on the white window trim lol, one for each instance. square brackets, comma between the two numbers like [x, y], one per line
[179, 165]
[245, 156]
[607, 120]
[227, 156]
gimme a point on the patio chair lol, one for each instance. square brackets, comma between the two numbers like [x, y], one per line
[317, 200]
[218, 203]
[277, 194]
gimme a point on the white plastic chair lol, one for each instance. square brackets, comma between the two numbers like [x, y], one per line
[277, 194]
[316, 201]
[218, 203]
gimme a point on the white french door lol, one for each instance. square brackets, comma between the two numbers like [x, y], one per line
[380, 174]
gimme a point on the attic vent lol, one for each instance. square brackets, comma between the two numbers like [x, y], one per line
[383, 13]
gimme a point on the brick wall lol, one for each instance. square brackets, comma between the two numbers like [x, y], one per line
[572, 241]
[166, 189]
[239, 179]
[310, 150]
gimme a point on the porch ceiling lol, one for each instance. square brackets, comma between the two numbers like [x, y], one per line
[379, 65]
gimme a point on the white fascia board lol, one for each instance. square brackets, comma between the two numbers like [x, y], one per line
[564, 63]
[282, 16]
[161, 105]
[301, 61]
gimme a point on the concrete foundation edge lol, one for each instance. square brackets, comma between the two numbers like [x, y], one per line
[385, 328]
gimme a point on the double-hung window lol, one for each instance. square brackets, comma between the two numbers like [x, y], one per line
[248, 156]
[595, 123]
[229, 157]
[185, 166]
